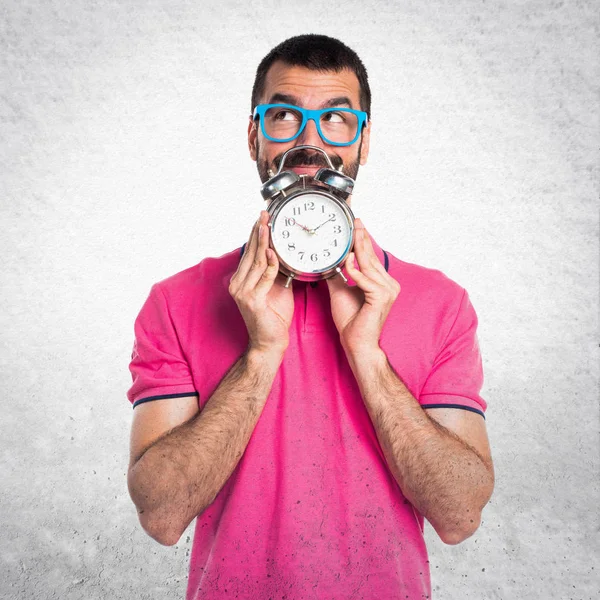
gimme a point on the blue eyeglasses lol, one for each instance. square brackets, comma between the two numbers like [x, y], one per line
[285, 122]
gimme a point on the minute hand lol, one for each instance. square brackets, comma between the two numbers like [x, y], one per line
[321, 225]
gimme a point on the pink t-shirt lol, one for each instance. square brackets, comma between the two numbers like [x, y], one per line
[311, 510]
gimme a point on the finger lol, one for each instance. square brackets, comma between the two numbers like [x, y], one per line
[367, 259]
[367, 246]
[265, 283]
[250, 251]
[366, 284]
[374, 268]
[386, 284]
[244, 259]
[260, 262]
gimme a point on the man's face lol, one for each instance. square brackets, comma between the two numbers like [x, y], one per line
[309, 89]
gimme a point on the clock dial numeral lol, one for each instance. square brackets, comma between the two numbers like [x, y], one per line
[313, 244]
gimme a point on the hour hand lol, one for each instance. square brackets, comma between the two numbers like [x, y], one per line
[304, 227]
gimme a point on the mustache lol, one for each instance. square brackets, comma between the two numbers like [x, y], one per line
[309, 159]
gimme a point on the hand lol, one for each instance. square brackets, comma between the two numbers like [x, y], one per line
[303, 227]
[267, 307]
[321, 225]
[360, 311]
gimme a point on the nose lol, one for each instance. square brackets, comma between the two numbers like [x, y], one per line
[310, 136]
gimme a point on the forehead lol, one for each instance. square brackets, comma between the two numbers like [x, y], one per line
[310, 86]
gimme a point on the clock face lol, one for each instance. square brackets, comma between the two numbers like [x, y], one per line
[311, 232]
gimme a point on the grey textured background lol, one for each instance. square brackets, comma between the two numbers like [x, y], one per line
[123, 160]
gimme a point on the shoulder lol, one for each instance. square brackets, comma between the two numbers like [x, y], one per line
[430, 307]
[211, 272]
[424, 282]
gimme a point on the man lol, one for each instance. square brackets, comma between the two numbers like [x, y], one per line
[311, 428]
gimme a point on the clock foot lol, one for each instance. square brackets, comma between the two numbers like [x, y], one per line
[339, 271]
[289, 280]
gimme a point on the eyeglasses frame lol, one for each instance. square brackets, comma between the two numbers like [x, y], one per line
[310, 115]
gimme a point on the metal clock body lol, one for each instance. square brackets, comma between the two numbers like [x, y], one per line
[311, 225]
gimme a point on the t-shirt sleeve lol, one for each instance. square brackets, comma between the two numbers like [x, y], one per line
[456, 377]
[158, 365]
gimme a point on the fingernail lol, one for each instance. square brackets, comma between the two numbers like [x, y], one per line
[260, 229]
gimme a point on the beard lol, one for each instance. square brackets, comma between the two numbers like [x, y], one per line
[305, 158]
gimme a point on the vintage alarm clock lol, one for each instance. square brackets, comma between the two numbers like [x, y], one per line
[311, 226]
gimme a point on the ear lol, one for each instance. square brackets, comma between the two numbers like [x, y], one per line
[365, 143]
[252, 139]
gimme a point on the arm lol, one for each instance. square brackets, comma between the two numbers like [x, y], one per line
[440, 458]
[174, 477]
[180, 459]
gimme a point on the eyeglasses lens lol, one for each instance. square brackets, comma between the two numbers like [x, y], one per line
[337, 126]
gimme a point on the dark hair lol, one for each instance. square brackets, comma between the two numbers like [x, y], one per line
[317, 52]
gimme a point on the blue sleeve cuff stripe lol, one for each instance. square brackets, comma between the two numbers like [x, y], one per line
[163, 397]
[469, 408]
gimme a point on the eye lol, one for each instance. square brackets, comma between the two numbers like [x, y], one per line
[333, 117]
[284, 114]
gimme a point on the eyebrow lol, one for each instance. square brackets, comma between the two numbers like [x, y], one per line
[288, 99]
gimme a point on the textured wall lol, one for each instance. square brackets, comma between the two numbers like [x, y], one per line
[123, 160]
